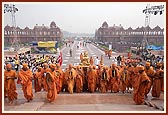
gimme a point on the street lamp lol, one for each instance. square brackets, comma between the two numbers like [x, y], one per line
[150, 10]
[12, 9]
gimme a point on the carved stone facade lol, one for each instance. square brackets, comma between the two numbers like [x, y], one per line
[38, 33]
[117, 34]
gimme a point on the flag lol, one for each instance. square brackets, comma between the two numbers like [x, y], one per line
[59, 59]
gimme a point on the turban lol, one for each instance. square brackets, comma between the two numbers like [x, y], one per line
[78, 67]
[52, 65]
[94, 67]
[39, 68]
[75, 67]
[140, 67]
[159, 64]
[113, 65]
[45, 64]
[90, 67]
[70, 65]
[58, 65]
[106, 67]
[25, 65]
[147, 64]
[8, 66]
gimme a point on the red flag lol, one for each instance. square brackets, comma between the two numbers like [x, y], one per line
[59, 59]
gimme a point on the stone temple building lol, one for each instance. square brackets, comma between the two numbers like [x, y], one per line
[118, 35]
[38, 33]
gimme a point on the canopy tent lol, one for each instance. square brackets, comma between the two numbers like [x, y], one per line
[153, 47]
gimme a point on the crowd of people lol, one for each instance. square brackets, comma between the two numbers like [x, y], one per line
[48, 76]
[148, 56]
[32, 60]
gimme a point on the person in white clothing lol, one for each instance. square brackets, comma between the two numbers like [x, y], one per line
[97, 61]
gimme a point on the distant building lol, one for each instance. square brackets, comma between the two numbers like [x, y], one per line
[117, 34]
[38, 33]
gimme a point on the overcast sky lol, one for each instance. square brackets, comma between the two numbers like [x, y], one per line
[84, 17]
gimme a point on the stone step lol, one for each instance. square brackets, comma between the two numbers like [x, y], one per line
[84, 102]
[31, 106]
[97, 107]
[158, 105]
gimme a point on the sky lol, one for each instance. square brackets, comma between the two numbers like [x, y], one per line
[78, 17]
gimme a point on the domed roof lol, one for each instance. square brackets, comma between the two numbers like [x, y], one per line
[105, 25]
[137, 29]
[157, 28]
[18, 28]
[141, 29]
[148, 28]
[7, 27]
[26, 28]
[130, 29]
[52, 25]
[36, 26]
